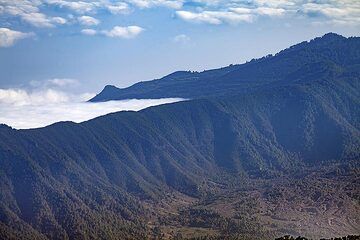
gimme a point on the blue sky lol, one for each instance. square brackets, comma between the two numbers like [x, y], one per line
[121, 42]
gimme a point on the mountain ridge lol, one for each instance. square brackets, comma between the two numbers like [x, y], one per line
[239, 78]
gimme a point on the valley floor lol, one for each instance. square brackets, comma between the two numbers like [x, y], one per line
[315, 205]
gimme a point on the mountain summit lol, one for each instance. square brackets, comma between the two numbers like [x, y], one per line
[282, 68]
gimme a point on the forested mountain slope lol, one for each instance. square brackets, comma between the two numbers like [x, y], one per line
[174, 169]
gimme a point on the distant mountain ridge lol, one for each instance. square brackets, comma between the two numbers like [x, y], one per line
[236, 79]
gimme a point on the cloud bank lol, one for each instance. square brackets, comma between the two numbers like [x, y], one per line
[24, 109]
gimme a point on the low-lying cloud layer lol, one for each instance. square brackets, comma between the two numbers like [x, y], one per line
[24, 109]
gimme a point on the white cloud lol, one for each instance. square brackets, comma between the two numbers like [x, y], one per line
[347, 12]
[181, 38]
[82, 7]
[124, 32]
[215, 17]
[18, 7]
[198, 17]
[61, 82]
[116, 32]
[37, 19]
[176, 4]
[88, 21]
[23, 109]
[269, 11]
[88, 31]
[20, 97]
[8, 37]
[118, 8]
[224, 11]
[59, 20]
[77, 6]
[277, 3]
[29, 12]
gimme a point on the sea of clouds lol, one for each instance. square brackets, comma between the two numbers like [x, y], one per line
[46, 103]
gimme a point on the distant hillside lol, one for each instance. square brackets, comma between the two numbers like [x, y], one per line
[280, 69]
[270, 162]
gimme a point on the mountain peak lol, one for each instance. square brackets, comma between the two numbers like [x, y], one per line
[332, 35]
[179, 74]
[329, 37]
[107, 87]
[106, 93]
